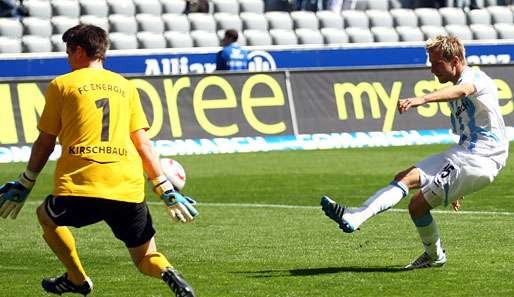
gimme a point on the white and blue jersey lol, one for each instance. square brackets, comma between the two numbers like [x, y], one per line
[482, 150]
[477, 118]
[232, 57]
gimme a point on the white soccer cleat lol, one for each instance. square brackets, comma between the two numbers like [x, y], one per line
[426, 261]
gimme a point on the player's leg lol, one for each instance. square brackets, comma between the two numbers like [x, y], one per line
[148, 260]
[62, 243]
[434, 254]
[380, 201]
[132, 224]
[152, 263]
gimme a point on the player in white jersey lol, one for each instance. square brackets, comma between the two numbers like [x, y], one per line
[444, 178]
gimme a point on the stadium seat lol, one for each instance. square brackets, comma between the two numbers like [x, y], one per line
[501, 15]
[483, 32]
[62, 23]
[384, 34]
[355, 18]
[122, 7]
[283, 37]
[176, 22]
[122, 41]
[36, 44]
[305, 19]
[279, 20]
[309, 36]
[38, 8]
[329, 19]
[378, 4]
[149, 23]
[101, 22]
[10, 45]
[359, 35]
[404, 17]
[479, 16]
[253, 21]
[11, 27]
[334, 36]
[202, 21]
[226, 21]
[150, 40]
[178, 39]
[453, 16]
[227, 6]
[97, 8]
[432, 31]
[409, 34]
[461, 31]
[123, 23]
[57, 44]
[37, 27]
[428, 17]
[505, 31]
[257, 37]
[148, 6]
[379, 18]
[173, 6]
[204, 38]
[256, 6]
[241, 40]
[69, 8]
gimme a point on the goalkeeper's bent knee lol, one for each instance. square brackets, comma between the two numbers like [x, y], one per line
[153, 264]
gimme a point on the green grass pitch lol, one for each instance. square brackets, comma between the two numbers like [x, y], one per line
[261, 233]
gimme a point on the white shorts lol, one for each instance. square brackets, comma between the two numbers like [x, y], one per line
[450, 175]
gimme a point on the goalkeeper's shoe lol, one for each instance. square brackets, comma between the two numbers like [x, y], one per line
[177, 283]
[61, 284]
[336, 212]
[426, 261]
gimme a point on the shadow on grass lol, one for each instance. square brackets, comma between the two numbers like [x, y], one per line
[318, 271]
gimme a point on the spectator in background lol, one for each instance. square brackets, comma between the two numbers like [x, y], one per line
[425, 3]
[278, 5]
[232, 56]
[197, 6]
[315, 5]
[467, 4]
[310, 5]
[335, 5]
[12, 8]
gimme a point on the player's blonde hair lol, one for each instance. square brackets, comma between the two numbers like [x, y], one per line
[449, 45]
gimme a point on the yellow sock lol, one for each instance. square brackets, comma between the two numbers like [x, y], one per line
[62, 243]
[153, 264]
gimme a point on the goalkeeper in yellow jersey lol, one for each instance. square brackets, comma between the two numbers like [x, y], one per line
[98, 117]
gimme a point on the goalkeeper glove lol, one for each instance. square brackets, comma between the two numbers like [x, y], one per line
[180, 208]
[13, 194]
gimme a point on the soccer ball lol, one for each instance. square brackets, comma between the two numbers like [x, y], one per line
[174, 172]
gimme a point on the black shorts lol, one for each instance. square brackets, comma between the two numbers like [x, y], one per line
[129, 222]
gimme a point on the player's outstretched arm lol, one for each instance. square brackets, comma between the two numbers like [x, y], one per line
[180, 208]
[441, 95]
[13, 194]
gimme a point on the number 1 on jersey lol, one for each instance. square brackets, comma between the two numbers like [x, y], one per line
[104, 105]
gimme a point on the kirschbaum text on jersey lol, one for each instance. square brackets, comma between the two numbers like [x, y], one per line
[110, 150]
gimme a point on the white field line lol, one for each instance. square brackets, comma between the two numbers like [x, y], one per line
[257, 205]
[250, 205]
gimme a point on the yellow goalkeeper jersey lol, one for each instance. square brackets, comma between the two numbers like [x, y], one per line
[93, 111]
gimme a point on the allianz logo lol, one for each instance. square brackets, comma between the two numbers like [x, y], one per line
[257, 61]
